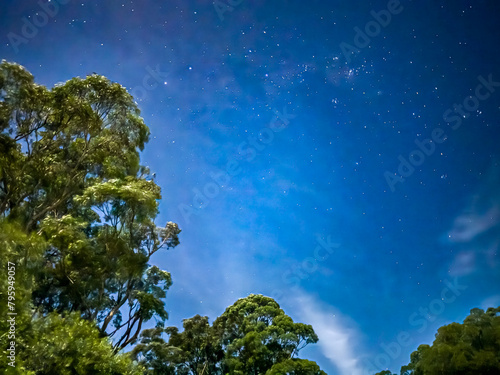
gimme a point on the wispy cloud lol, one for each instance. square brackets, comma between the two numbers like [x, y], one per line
[475, 231]
[338, 339]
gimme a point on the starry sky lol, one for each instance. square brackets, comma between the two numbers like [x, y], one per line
[340, 157]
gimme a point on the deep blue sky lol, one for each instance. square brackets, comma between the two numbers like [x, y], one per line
[220, 82]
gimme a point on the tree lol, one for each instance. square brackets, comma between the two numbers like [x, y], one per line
[50, 344]
[77, 225]
[461, 349]
[253, 336]
[67, 345]
[70, 172]
[195, 350]
[296, 367]
[256, 334]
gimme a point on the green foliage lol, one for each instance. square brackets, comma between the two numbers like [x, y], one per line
[20, 254]
[296, 367]
[77, 217]
[62, 140]
[256, 334]
[48, 344]
[461, 349]
[69, 171]
[195, 350]
[253, 336]
[70, 345]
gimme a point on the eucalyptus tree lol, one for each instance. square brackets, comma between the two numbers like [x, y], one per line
[472, 347]
[70, 173]
[253, 336]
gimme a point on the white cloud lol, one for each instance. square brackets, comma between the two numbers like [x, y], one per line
[338, 341]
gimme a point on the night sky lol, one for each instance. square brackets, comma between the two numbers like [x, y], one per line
[340, 157]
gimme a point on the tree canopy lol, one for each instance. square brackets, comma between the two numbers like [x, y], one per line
[77, 209]
[472, 347]
[253, 336]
